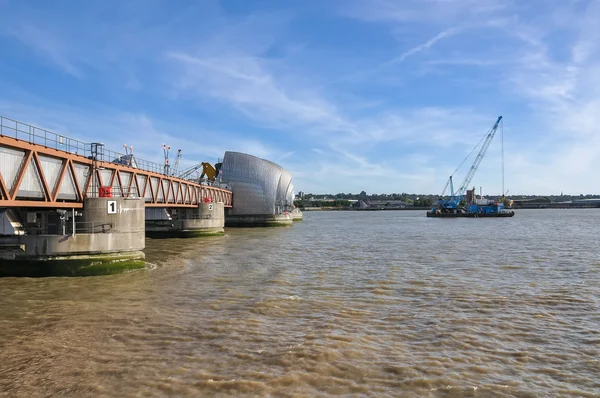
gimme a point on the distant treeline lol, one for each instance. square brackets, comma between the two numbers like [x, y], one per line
[321, 203]
[405, 197]
[341, 203]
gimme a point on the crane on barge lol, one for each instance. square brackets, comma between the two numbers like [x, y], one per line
[451, 207]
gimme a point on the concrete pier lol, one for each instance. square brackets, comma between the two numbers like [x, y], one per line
[208, 219]
[106, 236]
[297, 214]
[259, 220]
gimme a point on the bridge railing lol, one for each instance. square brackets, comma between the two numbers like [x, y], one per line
[129, 160]
[81, 227]
[209, 183]
[186, 216]
[116, 192]
[89, 227]
[36, 135]
[93, 166]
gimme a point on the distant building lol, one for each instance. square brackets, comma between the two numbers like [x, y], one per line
[388, 204]
[531, 203]
[593, 201]
[359, 204]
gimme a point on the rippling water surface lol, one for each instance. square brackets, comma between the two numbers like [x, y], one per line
[341, 304]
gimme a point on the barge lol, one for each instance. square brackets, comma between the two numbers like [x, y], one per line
[457, 205]
[479, 208]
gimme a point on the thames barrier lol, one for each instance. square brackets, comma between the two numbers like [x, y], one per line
[74, 208]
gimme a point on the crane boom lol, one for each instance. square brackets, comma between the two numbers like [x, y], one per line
[176, 166]
[446, 187]
[207, 170]
[185, 174]
[477, 162]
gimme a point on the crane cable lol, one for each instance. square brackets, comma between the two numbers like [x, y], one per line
[463, 162]
[470, 153]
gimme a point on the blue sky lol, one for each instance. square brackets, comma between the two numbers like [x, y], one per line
[348, 95]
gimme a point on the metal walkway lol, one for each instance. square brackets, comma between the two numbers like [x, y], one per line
[39, 168]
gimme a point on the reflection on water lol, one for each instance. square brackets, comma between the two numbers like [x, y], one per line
[343, 303]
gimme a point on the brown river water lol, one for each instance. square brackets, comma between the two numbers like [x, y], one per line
[357, 304]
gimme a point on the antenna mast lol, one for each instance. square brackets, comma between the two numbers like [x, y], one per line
[166, 150]
[176, 165]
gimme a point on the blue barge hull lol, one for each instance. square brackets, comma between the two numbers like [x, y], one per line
[470, 215]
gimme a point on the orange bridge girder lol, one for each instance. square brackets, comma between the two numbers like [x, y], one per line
[60, 179]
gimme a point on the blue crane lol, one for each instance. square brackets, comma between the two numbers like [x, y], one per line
[456, 197]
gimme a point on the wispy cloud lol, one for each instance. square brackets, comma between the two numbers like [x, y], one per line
[246, 84]
[422, 47]
[286, 155]
[430, 11]
[273, 84]
[47, 45]
[562, 93]
[243, 82]
[145, 133]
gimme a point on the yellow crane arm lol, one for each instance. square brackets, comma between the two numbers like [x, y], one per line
[209, 171]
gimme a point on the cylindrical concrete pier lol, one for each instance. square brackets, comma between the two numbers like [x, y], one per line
[208, 219]
[107, 236]
[259, 220]
[297, 214]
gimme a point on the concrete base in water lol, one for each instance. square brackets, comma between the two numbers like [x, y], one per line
[206, 220]
[77, 265]
[258, 220]
[296, 215]
[107, 237]
[178, 233]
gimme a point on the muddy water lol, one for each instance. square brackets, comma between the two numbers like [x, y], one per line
[341, 304]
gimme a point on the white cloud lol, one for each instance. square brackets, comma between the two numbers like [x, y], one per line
[552, 68]
[343, 171]
[243, 82]
[430, 11]
[422, 47]
[429, 43]
[538, 61]
[348, 143]
[115, 128]
[48, 46]
[247, 84]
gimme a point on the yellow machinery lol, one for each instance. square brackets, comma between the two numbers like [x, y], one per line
[208, 171]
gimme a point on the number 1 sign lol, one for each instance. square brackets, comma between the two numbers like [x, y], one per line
[112, 207]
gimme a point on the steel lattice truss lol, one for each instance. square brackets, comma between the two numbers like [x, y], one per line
[32, 175]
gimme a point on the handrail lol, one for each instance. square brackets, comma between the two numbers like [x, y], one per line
[208, 183]
[90, 227]
[65, 227]
[36, 135]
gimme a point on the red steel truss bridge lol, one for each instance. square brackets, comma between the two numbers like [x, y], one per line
[39, 168]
